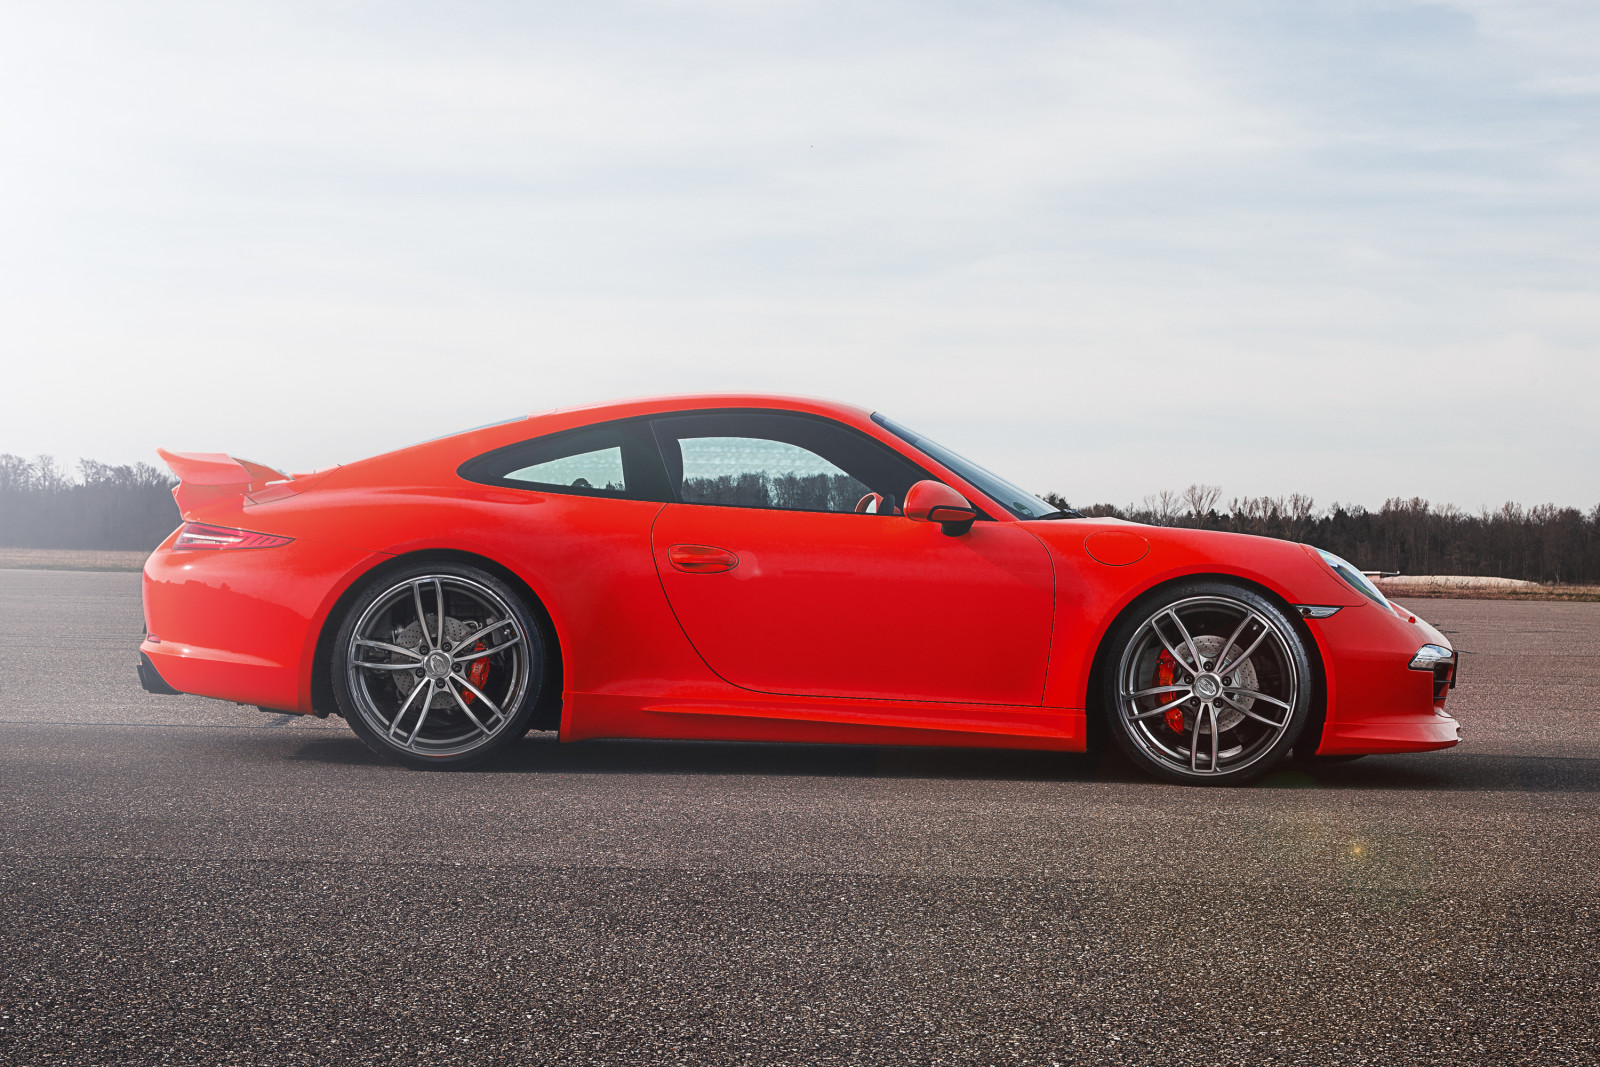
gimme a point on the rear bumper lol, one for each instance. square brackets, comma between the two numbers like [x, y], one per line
[150, 678]
[242, 625]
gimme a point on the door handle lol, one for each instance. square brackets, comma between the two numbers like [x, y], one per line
[701, 559]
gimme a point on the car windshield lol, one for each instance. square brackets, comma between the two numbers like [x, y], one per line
[1020, 503]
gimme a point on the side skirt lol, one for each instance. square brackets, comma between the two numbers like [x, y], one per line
[591, 716]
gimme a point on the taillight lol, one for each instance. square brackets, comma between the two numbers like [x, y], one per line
[201, 535]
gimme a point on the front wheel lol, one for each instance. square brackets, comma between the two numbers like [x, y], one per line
[438, 665]
[1208, 683]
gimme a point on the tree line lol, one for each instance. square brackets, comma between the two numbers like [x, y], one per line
[101, 506]
[1544, 543]
[104, 506]
[758, 489]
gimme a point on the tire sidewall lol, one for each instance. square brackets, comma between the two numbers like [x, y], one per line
[519, 717]
[1113, 722]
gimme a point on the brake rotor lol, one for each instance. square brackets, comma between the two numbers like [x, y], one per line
[455, 631]
[1181, 718]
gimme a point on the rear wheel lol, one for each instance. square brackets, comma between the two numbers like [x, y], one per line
[438, 665]
[1208, 683]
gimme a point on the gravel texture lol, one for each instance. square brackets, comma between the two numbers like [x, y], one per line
[187, 881]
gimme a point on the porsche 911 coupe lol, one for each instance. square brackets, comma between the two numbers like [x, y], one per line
[748, 568]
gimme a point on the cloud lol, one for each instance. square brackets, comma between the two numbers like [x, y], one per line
[1342, 249]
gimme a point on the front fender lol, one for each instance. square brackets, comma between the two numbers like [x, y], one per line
[1091, 595]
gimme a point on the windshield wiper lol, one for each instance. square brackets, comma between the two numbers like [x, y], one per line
[1065, 513]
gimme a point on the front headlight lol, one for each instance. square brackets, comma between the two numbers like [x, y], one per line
[1430, 656]
[1353, 577]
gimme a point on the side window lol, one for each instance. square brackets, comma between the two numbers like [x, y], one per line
[600, 469]
[751, 472]
[775, 460]
[617, 459]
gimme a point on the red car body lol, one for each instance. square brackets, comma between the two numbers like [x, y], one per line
[828, 628]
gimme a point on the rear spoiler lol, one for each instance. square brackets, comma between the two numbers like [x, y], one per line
[205, 477]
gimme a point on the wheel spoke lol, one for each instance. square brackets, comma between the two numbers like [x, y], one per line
[422, 716]
[481, 695]
[1187, 640]
[1162, 710]
[387, 647]
[384, 666]
[394, 725]
[467, 710]
[1258, 718]
[1159, 689]
[1253, 695]
[438, 593]
[1236, 664]
[1216, 735]
[478, 634]
[1194, 742]
[1208, 713]
[1222, 657]
[1192, 668]
[467, 657]
[422, 616]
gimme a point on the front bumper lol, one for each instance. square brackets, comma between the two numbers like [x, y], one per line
[1377, 701]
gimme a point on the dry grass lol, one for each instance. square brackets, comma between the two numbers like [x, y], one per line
[1454, 587]
[1542, 592]
[63, 559]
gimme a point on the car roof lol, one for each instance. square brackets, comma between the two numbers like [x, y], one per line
[655, 405]
[437, 460]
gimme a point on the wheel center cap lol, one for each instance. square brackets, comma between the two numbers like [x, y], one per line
[1208, 686]
[436, 664]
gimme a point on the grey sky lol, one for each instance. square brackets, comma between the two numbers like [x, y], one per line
[1346, 249]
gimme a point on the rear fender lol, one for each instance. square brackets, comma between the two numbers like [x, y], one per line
[318, 686]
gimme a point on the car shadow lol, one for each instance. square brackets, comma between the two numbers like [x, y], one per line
[1475, 772]
[542, 754]
[1433, 771]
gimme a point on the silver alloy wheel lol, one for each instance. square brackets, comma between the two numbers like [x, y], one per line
[438, 665]
[1207, 686]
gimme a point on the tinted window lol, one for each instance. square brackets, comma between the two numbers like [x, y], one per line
[616, 459]
[755, 473]
[765, 460]
[600, 469]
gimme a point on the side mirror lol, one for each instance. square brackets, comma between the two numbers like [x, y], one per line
[930, 501]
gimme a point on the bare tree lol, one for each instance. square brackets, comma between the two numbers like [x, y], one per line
[16, 473]
[47, 477]
[1162, 507]
[1201, 499]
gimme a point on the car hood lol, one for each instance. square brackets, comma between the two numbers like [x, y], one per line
[1148, 555]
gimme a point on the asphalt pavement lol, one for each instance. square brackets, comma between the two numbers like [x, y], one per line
[187, 881]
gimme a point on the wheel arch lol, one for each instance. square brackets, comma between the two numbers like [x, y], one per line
[1094, 709]
[547, 714]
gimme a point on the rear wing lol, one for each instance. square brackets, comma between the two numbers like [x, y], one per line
[210, 477]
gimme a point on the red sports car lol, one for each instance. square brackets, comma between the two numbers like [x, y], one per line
[763, 569]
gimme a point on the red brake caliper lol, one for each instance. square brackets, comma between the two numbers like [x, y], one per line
[1166, 670]
[478, 672]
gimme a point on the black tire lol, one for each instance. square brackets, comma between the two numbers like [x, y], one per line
[1170, 709]
[407, 677]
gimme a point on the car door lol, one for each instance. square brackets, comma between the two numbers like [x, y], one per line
[783, 588]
